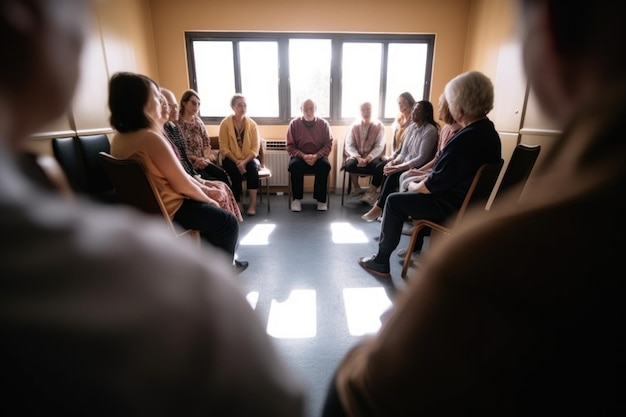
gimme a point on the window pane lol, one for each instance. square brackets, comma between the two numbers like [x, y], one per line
[360, 80]
[309, 74]
[406, 69]
[259, 77]
[216, 83]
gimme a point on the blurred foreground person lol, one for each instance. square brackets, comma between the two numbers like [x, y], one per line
[103, 311]
[522, 309]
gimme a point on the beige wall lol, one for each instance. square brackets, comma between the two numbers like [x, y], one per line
[447, 19]
[147, 36]
[120, 40]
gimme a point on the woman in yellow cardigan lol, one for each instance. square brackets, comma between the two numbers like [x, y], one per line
[239, 147]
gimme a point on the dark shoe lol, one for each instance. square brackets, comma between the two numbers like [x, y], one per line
[368, 263]
[240, 266]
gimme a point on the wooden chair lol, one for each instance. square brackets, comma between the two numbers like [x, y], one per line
[264, 174]
[477, 195]
[517, 171]
[134, 187]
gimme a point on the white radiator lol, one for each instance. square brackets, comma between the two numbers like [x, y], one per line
[277, 160]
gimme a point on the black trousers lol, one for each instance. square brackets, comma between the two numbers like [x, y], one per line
[399, 207]
[391, 185]
[214, 172]
[218, 227]
[370, 169]
[251, 176]
[298, 167]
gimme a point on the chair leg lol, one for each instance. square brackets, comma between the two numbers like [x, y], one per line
[289, 191]
[267, 191]
[343, 187]
[409, 249]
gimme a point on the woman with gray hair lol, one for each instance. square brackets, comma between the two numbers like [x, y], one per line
[441, 194]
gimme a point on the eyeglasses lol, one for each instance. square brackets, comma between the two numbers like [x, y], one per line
[172, 106]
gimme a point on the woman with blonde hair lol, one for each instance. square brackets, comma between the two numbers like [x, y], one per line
[239, 147]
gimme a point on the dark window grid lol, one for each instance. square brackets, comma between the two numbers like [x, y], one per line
[284, 92]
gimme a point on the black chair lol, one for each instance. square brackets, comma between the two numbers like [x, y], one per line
[517, 171]
[78, 157]
[96, 180]
[66, 152]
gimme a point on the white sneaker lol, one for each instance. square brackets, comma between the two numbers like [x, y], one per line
[296, 206]
[322, 206]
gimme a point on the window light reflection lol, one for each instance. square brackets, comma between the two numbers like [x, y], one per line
[364, 306]
[253, 298]
[259, 235]
[346, 233]
[295, 318]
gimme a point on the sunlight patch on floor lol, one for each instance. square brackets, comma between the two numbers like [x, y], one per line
[346, 233]
[253, 298]
[259, 235]
[295, 318]
[364, 306]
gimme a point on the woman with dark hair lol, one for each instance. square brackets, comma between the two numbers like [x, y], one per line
[418, 148]
[197, 139]
[135, 105]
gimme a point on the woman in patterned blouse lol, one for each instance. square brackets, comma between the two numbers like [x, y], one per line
[197, 139]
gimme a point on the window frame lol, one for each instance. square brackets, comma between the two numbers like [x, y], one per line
[337, 40]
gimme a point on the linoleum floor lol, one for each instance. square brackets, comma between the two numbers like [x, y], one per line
[307, 287]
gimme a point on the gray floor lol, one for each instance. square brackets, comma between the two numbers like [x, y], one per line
[301, 254]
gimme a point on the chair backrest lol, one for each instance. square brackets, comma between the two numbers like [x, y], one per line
[519, 169]
[481, 188]
[68, 155]
[133, 186]
[96, 179]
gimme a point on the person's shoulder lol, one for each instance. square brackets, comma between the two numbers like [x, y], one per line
[109, 243]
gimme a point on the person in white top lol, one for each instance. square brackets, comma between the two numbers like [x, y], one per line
[102, 310]
[365, 144]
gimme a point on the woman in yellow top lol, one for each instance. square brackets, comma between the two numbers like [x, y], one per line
[239, 147]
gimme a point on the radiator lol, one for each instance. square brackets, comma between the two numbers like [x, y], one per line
[277, 160]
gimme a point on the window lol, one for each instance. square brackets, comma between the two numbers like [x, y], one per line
[277, 71]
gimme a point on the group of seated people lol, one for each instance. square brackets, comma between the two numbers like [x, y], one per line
[104, 312]
[426, 176]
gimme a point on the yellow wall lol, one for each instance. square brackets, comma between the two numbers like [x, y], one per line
[120, 40]
[447, 19]
[147, 36]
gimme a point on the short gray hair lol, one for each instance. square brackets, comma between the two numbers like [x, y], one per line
[472, 92]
